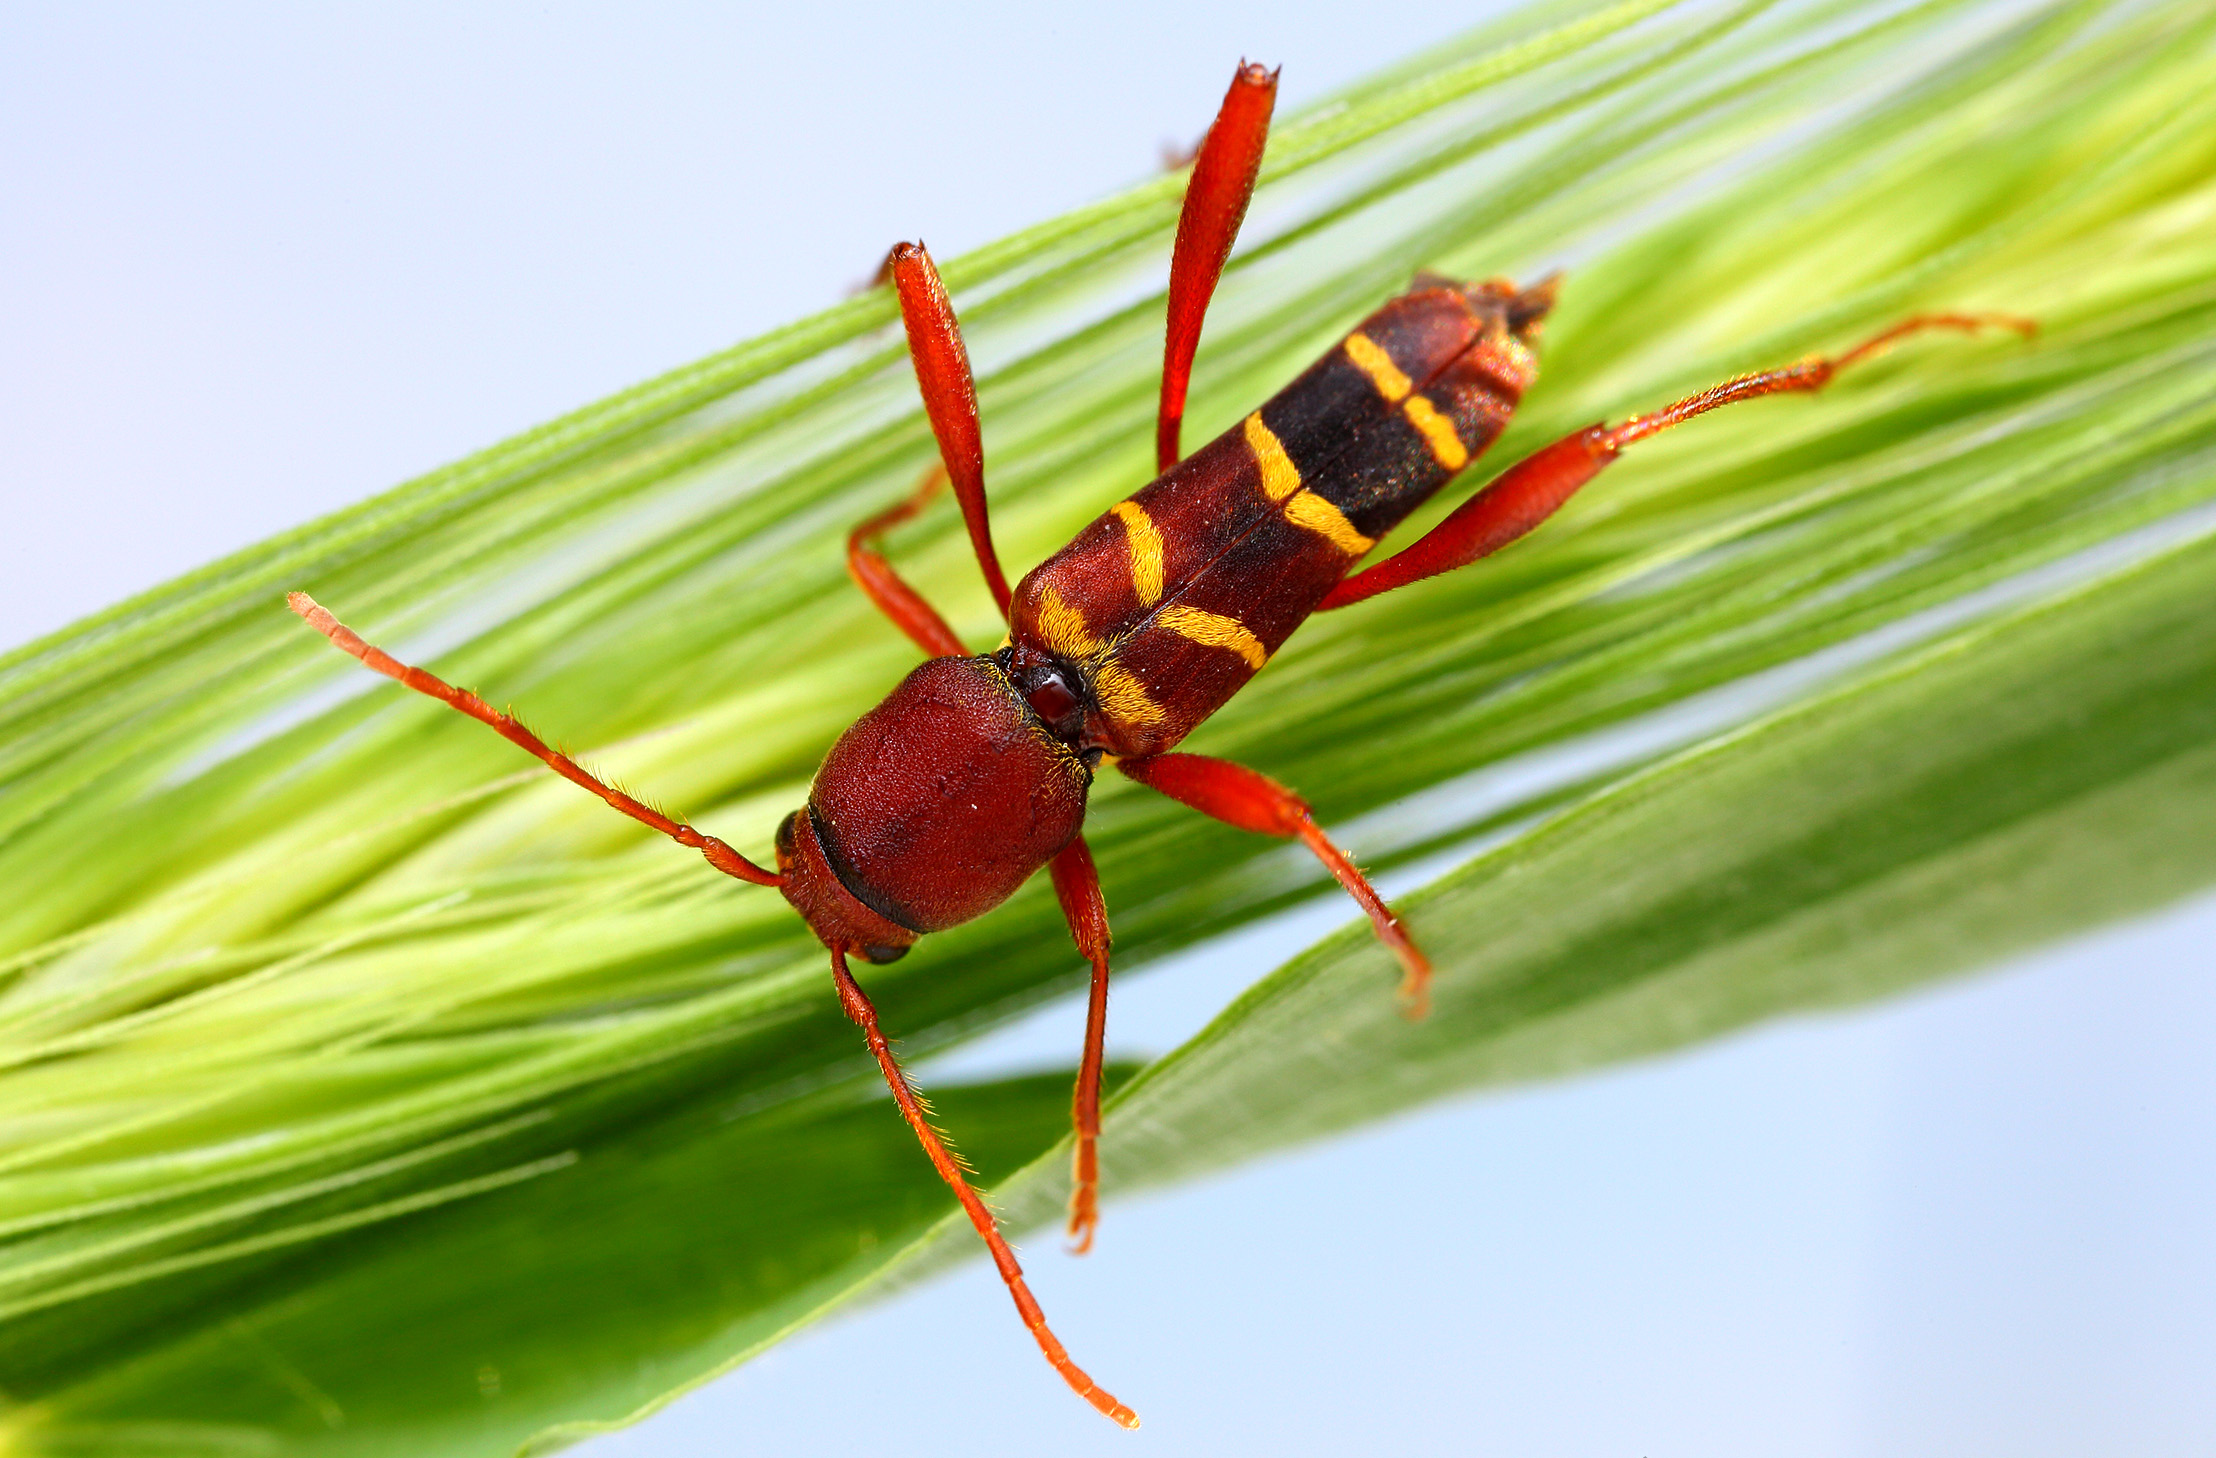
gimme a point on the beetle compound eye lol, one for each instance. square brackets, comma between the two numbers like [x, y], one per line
[1052, 699]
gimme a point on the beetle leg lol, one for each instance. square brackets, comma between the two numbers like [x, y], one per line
[949, 397]
[1533, 489]
[1253, 801]
[912, 1109]
[718, 854]
[1077, 884]
[1216, 199]
[893, 596]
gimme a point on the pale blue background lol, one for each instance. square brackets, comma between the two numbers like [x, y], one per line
[255, 264]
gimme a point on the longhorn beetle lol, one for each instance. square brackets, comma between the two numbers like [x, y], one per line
[941, 801]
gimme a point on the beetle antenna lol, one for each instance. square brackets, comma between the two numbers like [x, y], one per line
[858, 1008]
[718, 854]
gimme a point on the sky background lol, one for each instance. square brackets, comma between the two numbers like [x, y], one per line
[259, 263]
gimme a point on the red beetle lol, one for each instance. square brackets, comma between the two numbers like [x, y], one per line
[973, 773]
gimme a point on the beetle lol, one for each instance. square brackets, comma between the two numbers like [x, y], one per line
[972, 775]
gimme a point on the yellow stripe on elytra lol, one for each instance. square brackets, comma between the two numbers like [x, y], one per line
[1214, 630]
[1062, 627]
[1305, 509]
[1280, 477]
[1438, 433]
[1314, 513]
[1122, 697]
[1146, 551]
[1378, 365]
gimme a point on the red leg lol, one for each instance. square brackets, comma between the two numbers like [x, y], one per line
[1533, 489]
[949, 397]
[1252, 801]
[719, 855]
[1215, 204]
[895, 598]
[912, 1109]
[1077, 884]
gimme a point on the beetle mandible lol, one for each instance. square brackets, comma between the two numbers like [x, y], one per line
[973, 773]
